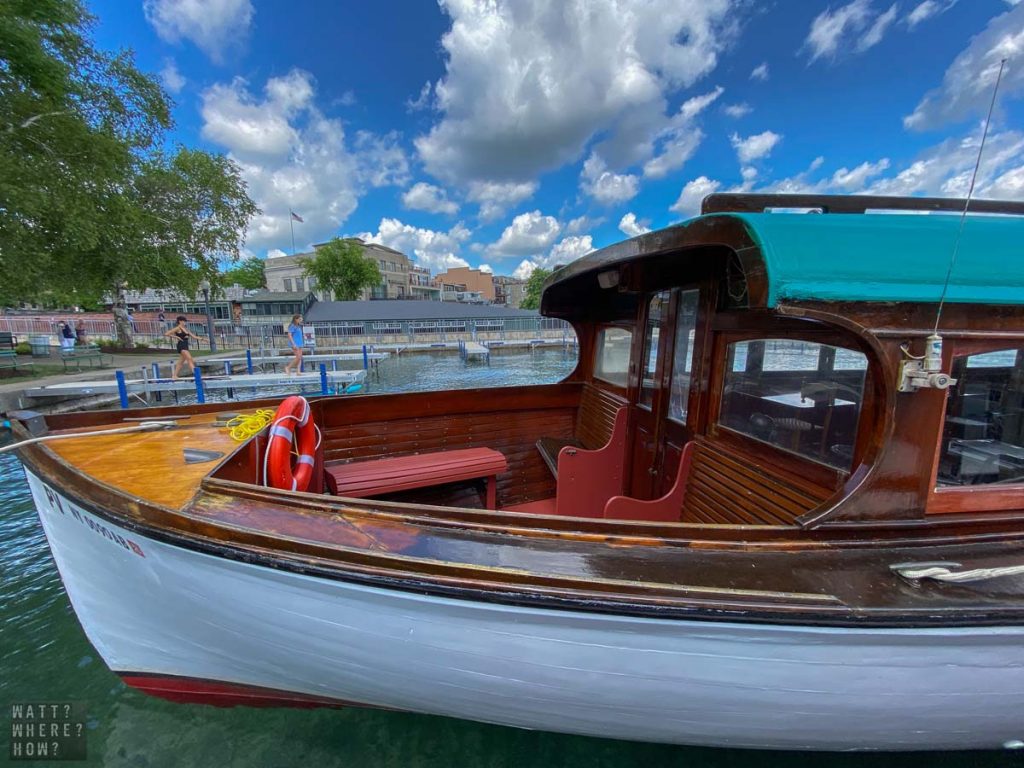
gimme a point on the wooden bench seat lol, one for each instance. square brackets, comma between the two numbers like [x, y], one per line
[716, 486]
[363, 479]
[595, 421]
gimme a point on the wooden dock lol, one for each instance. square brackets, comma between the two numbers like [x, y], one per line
[259, 361]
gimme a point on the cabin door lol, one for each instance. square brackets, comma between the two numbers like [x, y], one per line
[662, 391]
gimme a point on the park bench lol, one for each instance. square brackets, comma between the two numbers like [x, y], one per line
[9, 359]
[77, 355]
[7, 340]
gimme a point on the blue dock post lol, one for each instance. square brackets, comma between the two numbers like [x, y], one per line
[366, 359]
[156, 375]
[197, 374]
[323, 379]
[122, 388]
[248, 361]
[227, 367]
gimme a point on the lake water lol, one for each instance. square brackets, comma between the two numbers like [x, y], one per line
[47, 657]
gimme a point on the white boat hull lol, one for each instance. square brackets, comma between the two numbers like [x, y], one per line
[150, 607]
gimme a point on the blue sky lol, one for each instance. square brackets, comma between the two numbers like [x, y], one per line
[518, 133]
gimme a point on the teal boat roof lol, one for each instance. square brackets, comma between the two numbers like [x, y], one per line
[848, 257]
[888, 257]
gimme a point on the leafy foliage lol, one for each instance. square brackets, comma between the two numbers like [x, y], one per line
[248, 274]
[340, 266]
[89, 202]
[533, 287]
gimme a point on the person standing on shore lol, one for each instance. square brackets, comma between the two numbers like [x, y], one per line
[181, 332]
[67, 336]
[295, 342]
[80, 334]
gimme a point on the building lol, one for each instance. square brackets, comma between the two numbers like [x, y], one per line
[401, 279]
[275, 307]
[472, 279]
[508, 291]
[421, 286]
[172, 302]
[426, 321]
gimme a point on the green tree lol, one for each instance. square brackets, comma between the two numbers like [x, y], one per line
[249, 274]
[532, 291]
[340, 266]
[89, 203]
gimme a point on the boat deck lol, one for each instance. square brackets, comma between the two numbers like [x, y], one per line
[149, 465]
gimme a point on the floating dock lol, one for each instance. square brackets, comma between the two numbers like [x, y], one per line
[472, 350]
[327, 382]
[250, 361]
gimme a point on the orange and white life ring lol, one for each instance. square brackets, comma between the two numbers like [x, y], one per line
[293, 422]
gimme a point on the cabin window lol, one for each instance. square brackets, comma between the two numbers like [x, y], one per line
[657, 309]
[612, 361]
[983, 434]
[800, 396]
[682, 358]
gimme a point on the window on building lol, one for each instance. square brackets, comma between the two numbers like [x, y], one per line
[288, 285]
[983, 434]
[299, 284]
[612, 361]
[312, 283]
[799, 396]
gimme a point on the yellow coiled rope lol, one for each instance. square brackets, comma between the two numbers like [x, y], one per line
[246, 425]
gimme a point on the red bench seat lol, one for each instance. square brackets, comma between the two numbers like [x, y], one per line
[362, 479]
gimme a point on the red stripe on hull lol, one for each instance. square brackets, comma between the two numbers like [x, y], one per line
[189, 690]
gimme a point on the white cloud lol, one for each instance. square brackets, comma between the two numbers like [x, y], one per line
[486, 268]
[680, 138]
[423, 100]
[737, 110]
[426, 197]
[564, 252]
[525, 269]
[568, 250]
[606, 187]
[435, 250]
[213, 25]
[696, 190]
[854, 179]
[926, 10]
[580, 223]
[529, 233]
[832, 28]
[294, 157]
[878, 28]
[967, 85]
[275, 253]
[529, 83]
[760, 72]
[754, 147]
[631, 226]
[171, 78]
[496, 197]
[942, 170]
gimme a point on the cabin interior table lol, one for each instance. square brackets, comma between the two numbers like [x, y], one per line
[796, 400]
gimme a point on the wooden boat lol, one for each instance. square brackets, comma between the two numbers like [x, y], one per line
[728, 526]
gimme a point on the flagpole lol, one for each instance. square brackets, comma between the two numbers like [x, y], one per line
[291, 226]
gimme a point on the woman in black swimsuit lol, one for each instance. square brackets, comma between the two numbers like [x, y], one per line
[182, 334]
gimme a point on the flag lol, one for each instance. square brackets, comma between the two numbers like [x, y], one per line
[296, 217]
